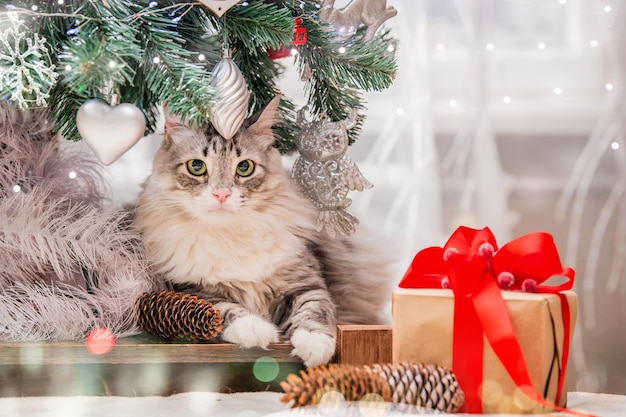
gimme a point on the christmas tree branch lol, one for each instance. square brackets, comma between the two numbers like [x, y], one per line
[150, 52]
[171, 75]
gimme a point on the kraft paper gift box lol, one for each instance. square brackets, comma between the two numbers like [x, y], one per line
[423, 328]
[492, 317]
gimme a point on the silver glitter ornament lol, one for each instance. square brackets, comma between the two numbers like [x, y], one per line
[231, 108]
[346, 21]
[324, 172]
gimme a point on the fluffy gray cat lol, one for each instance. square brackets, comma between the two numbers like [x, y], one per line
[221, 219]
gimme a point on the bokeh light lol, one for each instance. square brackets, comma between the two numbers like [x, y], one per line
[265, 369]
[100, 341]
[492, 392]
[332, 402]
[372, 405]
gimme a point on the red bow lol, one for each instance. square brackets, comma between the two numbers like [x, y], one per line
[531, 257]
[473, 267]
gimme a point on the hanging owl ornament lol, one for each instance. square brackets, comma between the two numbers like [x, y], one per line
[325, 173]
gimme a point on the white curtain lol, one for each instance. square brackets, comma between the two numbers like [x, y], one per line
[510, 114]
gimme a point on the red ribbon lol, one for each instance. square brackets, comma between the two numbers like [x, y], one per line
[471, 263]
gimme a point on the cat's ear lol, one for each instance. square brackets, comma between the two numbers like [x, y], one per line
[260, 123]
[171, 121]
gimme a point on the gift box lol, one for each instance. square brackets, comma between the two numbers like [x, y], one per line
[492, 316]
[423, 329]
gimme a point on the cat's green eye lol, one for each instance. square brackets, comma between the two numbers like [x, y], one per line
[245, 168]
[196, 167]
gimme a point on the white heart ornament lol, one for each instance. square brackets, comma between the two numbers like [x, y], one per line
[219, 7]
[110, 130]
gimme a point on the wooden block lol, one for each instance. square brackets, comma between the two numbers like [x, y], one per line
[363, 344]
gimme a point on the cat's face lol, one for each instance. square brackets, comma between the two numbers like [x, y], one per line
[208, 175]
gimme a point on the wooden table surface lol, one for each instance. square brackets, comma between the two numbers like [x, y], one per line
[137, 349]
[148, 365]
[139, 365]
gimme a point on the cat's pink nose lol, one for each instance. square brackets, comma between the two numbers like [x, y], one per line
[222, 194]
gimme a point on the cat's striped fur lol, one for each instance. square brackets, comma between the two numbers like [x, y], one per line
[249, 245]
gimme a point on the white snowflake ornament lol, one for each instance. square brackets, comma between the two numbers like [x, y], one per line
[26, 71]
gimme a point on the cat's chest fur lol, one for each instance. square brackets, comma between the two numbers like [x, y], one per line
[246, 251]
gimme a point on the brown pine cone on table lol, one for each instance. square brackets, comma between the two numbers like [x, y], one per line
[171, 314]
[420, 385]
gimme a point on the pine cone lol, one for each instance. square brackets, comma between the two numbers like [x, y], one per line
[421, 385]
[428, 386]
[171, 314]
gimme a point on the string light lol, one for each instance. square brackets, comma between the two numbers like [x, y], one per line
[111, 64]
[294, 51]
[607, 9]
[557, 91]
[176, 6]
[489, 47]
[17, 188]
[391, 48]
[72, 175]
[440, 47]
[593, 43]
[452, 103]
[541, 45]
[506, 99]
[68, 67]
[615, 145]
[156, 60]
[608, 86]
[201, 57]
[400, 111]
[342, 50]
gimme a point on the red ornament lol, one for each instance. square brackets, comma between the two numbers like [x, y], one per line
[283, 52]
[299, 38]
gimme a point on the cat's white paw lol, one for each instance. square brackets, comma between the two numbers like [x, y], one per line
[313, 347]
[250, 331]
